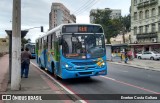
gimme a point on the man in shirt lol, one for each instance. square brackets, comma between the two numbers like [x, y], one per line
[25, 61]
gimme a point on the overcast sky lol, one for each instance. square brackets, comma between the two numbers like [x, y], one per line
[35, 13]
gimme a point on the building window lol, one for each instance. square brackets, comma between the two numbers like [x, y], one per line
[159, 27]
[141, 15]
[159, 10]
[141, 1]
[135, 30]
[141, 29]
[146, 28]
[135, 16]
[153, 12]
[153, 27]
[135, 2]
[147, 14]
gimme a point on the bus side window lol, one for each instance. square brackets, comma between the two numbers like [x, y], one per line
[42, 43]
[49, 42]
[37, 44]
[45, 42]
[53, 40]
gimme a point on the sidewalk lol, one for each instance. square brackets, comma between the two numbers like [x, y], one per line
[36, 83]
[4, 69]
[143, 64]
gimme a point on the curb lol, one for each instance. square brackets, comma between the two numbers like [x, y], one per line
[136, 66]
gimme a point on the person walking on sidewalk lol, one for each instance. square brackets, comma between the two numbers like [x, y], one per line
[25, 61]
[126, 57]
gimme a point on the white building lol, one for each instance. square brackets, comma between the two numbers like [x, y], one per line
[116, 13]
[119, 39]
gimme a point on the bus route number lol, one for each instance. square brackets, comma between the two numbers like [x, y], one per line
[83, 29]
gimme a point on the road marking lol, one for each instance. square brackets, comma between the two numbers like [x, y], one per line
[131, 85]
[69, 91]
[108, 78]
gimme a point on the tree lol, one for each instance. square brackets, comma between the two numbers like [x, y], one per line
[24, 41]
[111, 27]
[126, 22]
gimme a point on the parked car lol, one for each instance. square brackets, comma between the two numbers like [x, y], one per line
[149, 55]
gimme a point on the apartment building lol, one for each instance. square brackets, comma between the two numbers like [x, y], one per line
[145, 21]
[145, 25]
[60, 15]
[116, 13]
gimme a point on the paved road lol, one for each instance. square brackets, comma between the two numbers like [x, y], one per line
[120, 80]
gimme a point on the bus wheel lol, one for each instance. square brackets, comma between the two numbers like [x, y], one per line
[40, 65]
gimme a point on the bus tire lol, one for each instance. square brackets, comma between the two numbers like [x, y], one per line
[40, 64]
[54, 72]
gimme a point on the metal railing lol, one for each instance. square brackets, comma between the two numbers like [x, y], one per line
[147, 3]
[147, 35]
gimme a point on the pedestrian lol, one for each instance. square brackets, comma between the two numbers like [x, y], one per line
[126, 57]
[25, 61]
[22, 49]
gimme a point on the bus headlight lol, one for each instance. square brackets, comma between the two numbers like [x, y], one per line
[103, 64]
[68, 67]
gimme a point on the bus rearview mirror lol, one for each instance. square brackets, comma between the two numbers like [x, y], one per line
[60, 41]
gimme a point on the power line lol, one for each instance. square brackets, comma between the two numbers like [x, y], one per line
[83, 5]
[70, 4]
[87, 4]
[87, 7]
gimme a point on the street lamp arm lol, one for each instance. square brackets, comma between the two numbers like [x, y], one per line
[36, 27]
[32, 28]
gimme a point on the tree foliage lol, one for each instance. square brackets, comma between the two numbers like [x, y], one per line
[24, 41]
[112, 27]
[126, 21]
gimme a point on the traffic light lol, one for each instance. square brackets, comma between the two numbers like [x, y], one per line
[41, 28]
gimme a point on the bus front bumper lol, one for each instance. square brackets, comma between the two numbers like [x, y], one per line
[66, 74]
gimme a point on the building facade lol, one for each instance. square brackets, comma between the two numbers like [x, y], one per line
[116, 13]
[60, 15]
[145, 21]
[4, 45]
[119, 39]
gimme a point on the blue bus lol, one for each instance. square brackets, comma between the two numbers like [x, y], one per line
[73, 51]
[31, 47]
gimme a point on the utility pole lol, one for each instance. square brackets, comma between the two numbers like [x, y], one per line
[16, 45]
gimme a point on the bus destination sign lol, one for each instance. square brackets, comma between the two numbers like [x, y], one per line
[81, 29]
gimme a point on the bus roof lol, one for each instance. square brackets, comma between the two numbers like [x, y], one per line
[60, 26]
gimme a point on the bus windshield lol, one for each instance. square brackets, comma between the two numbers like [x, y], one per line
[83, 46]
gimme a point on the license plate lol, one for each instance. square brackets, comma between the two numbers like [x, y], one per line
[102, 72]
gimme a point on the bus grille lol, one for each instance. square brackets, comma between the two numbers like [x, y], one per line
[84, 63]
[90, 67]
[85, 73]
